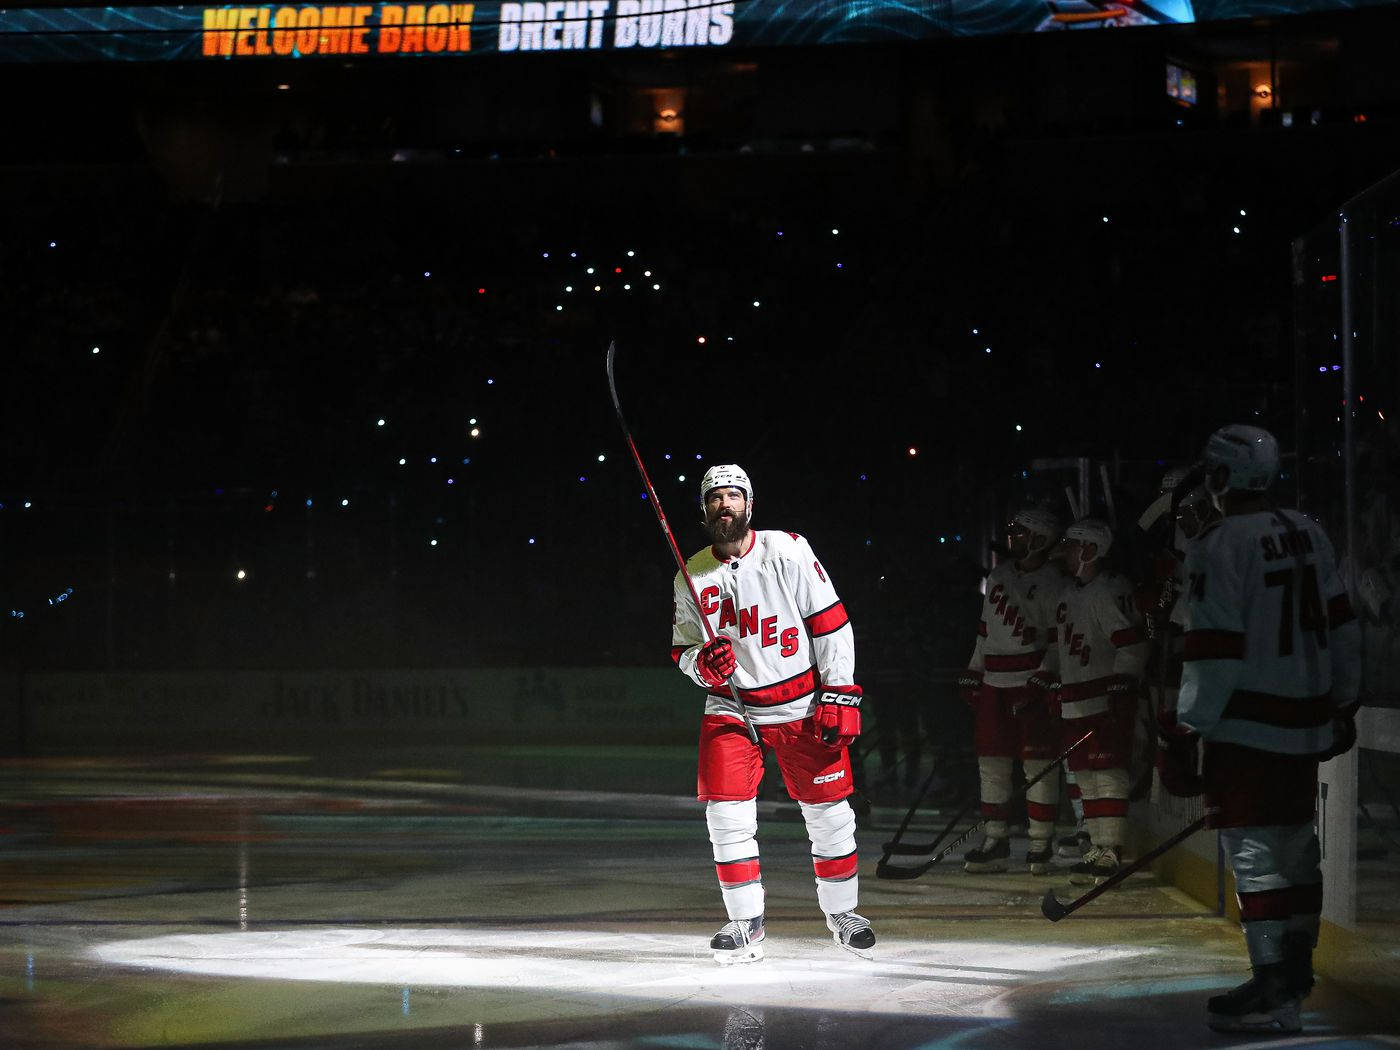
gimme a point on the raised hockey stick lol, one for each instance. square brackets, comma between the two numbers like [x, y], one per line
[666, 528]
[1054, 910]
[892, 871]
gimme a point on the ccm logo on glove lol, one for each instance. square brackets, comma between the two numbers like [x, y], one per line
[838, 715]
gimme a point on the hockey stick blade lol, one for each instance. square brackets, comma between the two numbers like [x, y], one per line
[885, 870]
[896, 848]
[1051, 907]
[1055, 910]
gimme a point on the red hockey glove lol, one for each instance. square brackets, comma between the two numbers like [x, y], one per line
[1176, 757]
[838, 714]
[716, 662]
[1343, 732]
[970, 687]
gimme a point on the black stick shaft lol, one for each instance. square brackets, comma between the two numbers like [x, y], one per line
[1136, 866]
[666, 529]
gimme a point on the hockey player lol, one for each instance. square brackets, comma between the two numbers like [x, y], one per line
[1015, 640]
[783, 640]
[1270, 682]
[1103, 653]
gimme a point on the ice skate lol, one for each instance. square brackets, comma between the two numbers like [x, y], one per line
[1264, 1003]
[852, 932]
[1038, 855]
[1101, 862]
[991, 856]
[738, 941]
[1075, 845]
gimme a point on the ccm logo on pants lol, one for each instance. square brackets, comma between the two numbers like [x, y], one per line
[829, 777]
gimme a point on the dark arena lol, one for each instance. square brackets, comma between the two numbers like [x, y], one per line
[1000, 398]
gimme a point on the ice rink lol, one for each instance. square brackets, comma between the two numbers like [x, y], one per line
[401, 900]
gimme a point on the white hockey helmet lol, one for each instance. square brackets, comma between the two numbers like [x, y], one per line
[1039, 522]
[723, 476]
[1248, 454]
[1092, 530]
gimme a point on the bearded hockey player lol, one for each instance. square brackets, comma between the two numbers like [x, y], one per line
[1103, 654]
[1015, 640]
[1270, 682]
[784, 645]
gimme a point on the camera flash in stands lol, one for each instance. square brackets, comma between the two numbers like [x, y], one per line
[379, 422]
[97, 349]
[241, 574]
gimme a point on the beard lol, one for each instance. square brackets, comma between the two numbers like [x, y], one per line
[724, 529]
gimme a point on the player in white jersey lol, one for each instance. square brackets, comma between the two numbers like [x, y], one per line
[1270, 682]
[1103, 654]
[1015, 640]
[783, 641]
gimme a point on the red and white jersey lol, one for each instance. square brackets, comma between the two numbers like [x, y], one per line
[777, 605]
[1102, 642]
[1016, 634]
[1272, 645]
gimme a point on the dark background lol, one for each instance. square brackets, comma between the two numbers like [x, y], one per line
[272, 257]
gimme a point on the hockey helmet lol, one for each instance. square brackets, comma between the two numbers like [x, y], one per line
[724, 476]
[1249, 456]
[1089, 530]
[1042, 523]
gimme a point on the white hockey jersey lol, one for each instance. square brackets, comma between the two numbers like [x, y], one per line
[778, 606]
[1101, 641]
[1016, 634]
[1272, 645]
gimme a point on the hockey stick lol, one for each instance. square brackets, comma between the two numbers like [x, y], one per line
[892, 871]
[900, 849]
[1054, 910]
[666, 528]
[896, 848]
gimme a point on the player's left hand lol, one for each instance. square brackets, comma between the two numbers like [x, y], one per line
[837, 716]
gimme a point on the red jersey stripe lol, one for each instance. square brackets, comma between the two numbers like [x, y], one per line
[794, 688]
[1128, 636]
[1286, 712]
[1018, 662]
[1214, 645]
[830, 619]
[677, 651]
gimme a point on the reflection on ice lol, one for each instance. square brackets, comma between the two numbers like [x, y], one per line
[928, 977]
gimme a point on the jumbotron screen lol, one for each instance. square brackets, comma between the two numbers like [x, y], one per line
[272, 32]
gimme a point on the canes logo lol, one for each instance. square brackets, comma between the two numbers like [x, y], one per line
[829, 777]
